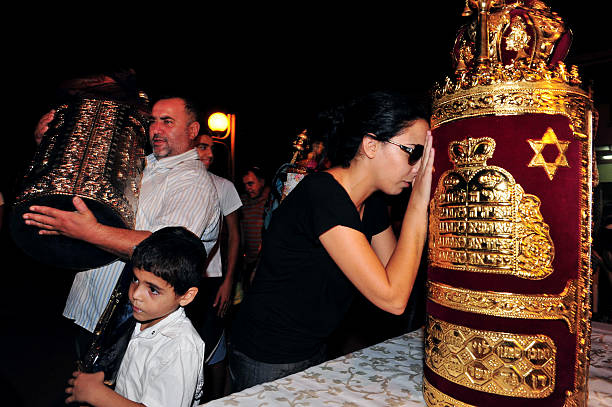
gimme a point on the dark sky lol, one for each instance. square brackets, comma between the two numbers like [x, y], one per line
[273, 66]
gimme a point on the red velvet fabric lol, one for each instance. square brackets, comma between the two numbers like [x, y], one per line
[560, 198]
[561, 211]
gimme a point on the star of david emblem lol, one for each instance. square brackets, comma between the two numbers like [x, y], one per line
[538, 160]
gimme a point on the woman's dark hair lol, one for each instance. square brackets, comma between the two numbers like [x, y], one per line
[174, 254]
[381, 113]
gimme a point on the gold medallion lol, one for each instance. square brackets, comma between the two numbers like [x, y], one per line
[493, 362]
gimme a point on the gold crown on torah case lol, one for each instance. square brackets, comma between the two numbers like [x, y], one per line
[509, 60]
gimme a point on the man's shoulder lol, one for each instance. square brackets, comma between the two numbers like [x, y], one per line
[222, 183]
[218, 178]
[265, 193]
[246, 200]
[228, 195]
[191, 173]
[191, 165]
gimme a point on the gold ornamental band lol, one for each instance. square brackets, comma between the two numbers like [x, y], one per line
[515, 99]
[435, 398]
[583, 337]
[509, 305]
[493, 362]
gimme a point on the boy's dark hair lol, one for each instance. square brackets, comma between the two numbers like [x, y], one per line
[174, 254]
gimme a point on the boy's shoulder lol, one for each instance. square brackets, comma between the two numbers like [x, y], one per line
[180, 327]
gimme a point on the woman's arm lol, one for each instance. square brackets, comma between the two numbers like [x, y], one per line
[388, 285]
[384, 245]
[388, 288]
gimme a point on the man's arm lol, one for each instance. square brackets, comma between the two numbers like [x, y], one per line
[224, 294]
[185, 203]
[90, 388]
[83, 225]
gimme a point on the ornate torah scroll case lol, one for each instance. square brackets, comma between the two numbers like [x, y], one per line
[94, 149]
[509, 241]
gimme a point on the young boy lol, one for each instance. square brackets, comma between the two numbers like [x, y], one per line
[163, 362]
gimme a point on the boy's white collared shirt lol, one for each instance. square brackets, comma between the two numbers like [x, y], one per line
[163, 364]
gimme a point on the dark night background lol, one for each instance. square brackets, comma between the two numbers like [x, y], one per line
[272, 66]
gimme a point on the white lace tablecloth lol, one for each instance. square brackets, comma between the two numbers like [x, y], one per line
[390, 374]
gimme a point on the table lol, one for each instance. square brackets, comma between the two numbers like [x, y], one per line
[390, 374]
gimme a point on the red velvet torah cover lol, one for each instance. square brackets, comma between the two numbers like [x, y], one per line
[529, 147]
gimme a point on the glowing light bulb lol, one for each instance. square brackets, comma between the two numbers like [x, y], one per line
[218, 122]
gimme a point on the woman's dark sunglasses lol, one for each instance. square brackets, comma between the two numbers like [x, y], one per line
[415, 152]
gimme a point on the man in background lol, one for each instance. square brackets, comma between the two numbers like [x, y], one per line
[252, 218]
[217, 299]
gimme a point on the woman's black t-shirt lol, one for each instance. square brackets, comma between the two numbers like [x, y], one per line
[299, 295]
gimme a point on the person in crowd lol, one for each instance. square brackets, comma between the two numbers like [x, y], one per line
[176, 190]
[316, 159]
[252, 218]
[332, 236]
[162, 365]
[217, 297]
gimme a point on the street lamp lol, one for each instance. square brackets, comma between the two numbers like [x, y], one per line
[218, 122]
[223, 126]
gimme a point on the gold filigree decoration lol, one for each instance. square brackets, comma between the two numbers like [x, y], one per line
[481, 220]
[509, 305]
[505, 98]
[493, 362]
[518, 39]
[435, 398]
[583, 339]
[549, 138]
[94, 149]
[490, 81]
[465, 54]
[546, 26]
[573, 399]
